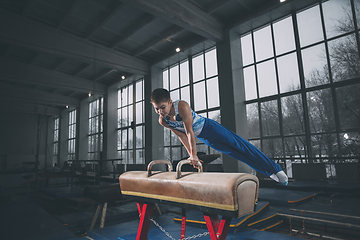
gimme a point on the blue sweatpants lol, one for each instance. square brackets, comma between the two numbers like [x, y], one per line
[223, 140]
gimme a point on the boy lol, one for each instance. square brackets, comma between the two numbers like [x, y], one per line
[186, 124]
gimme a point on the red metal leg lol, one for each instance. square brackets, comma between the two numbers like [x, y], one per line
[183, 223]
[223, 228]
[217, 230]
[212, 223]
[145, 212]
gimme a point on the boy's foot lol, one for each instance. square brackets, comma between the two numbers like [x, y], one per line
[280, 177]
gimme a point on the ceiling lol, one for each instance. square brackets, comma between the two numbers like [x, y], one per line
[54, 52]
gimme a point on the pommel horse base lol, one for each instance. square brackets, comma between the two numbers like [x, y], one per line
[230, 195]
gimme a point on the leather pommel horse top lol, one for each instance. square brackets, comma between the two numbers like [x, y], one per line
[226, 194]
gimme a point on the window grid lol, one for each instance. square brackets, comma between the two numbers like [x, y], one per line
[131, 123]
[95, 137]
[72, 135]
[312, 128]
[202, 74]
[56, 140]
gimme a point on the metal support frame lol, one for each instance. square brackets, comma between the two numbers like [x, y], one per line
[145, 212]
[218, 230]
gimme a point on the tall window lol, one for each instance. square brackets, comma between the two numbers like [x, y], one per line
[72, 135]
[199, 88]
[131, 123]
[56, 141]
[95, 138]
[302, 87]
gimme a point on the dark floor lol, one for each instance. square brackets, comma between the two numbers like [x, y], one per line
[61, 212]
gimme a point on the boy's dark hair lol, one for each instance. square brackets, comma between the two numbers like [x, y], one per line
[160, 95]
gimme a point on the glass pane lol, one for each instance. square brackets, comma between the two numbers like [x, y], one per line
[344, 58]
[174, 139]
[250, 83]
[324, 145]
[55, 148]
[131, 116]
[213, 92]
[166, 79]
[139, 137]
[175, 95]
[247, 50]
[140, 159]
[119, 118]
[131, 139]
[176, 153]
[166, 137]
[167, 153]
[215, 115]
[321, 113]
[139, 91]
[350, 144]
[348, 101]
[252, 114]
[270, 118]
[292, 113]
[139, 113]
[198, 68]
[118, 140]
[211, 63]
[56, 136]
[131, 94]
[256, 143]
[284, 36]
[184, 73]
[199, 96]
[273, 148]
[101, 122]
[124, 97]
[174, 77]
[309, 25]
[338, 17]
[124, 139]
[288, 73]
[315, 66]
[267, 79]
[125, 119]
[263, 44]
[101, 142]
[295, 147]
[119, 98]
[185, 94]
[131, 156]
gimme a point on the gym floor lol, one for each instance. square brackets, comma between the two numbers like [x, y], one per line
[62, 212]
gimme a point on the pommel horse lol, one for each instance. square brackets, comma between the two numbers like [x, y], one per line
[230, 195]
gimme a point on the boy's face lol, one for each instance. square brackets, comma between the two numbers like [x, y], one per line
[163, 108]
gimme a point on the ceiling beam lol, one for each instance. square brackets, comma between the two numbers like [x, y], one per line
[19, 93]
[244, 4]
[184, 14]
[133, 29]
[114, 12]
[73, 7]
[30, 34]
[165, 37]
[19, 72]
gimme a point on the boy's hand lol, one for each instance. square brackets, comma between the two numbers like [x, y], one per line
[194, 160]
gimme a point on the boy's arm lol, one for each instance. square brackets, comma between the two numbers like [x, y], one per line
[185, 114]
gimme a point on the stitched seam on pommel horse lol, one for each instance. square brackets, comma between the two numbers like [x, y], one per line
[182, 200]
